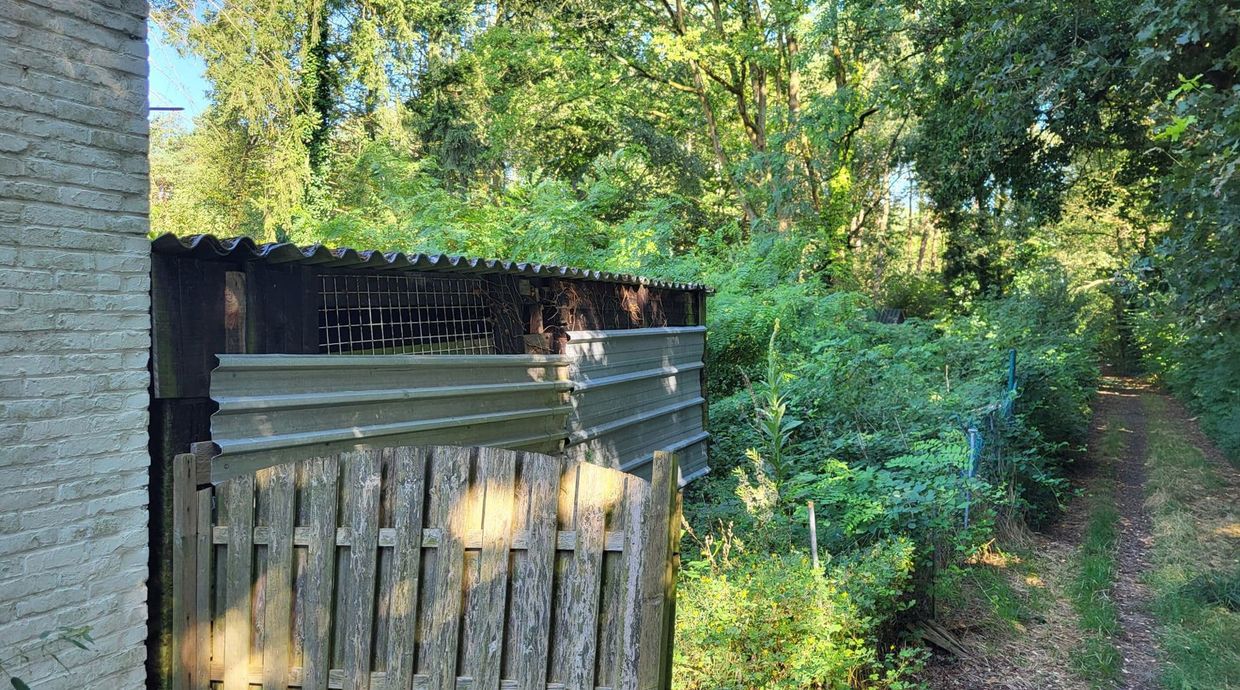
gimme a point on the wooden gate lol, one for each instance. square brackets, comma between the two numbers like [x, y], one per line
[436, 568]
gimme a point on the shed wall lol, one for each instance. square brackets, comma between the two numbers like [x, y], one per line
[637, 391]
[74, 281]
[280, 408]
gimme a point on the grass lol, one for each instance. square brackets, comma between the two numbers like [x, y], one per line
[985, 583]
[1196, 559]
[1097, 659]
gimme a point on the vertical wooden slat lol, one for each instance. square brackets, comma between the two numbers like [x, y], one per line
[322, 480]
[497, 470]
[520, 516]
[561, 623]
[279, 580]
[234, 312]
[202, 590]
[656, 564]
[470, 652]
[637, 498]
[185, 648]
[585, 576]
[531, 597]
[361, 514]
[611, 601]
[383, 571]
[450, 476]
[669, 601]
[409, 477]
[258, 568]
[238, 493]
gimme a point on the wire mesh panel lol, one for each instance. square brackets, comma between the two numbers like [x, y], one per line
[403, 314]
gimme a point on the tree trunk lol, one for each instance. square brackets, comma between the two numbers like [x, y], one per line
[792, 48]
[712, 125]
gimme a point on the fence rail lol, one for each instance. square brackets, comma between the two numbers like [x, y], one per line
[435, 568]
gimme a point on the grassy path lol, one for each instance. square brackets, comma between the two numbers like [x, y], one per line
[1137, 587]
[1120, 404]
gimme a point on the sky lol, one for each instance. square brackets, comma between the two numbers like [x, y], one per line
[176, 80]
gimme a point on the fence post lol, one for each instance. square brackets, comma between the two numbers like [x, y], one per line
[813, 533]
[658, 566]
[975, 451]
[184, 573]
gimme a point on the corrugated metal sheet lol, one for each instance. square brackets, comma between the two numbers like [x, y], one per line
[635, 392]
[244, 248]
[276, 408]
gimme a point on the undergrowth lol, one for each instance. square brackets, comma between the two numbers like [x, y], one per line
[812, 399]
[1196, 560]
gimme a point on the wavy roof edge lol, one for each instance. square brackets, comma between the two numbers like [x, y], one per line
[245, 248]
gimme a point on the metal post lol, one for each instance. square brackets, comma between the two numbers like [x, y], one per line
[813, 534]
[975, 452]
[1010, 401]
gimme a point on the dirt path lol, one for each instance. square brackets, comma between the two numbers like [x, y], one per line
[1036, 651]
[1119, 402]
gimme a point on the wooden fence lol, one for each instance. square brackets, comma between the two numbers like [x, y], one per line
[436, 568]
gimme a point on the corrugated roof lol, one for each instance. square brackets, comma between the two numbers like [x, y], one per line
[246, 249]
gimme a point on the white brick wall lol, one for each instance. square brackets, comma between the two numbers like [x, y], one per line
[74, 282]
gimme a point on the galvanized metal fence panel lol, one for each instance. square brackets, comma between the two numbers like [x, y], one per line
[637, 391]
[438, 568]
[277, 408]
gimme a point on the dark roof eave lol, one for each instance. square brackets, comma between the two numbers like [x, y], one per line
[246, 249]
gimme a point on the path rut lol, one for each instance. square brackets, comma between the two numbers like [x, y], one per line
[1119, 402]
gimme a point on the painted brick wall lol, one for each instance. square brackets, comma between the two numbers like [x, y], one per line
[74, 283]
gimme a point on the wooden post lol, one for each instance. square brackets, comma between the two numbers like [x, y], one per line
[185, 649]
[659, 571]
[234, 312]
[669, 612]
[813, 534]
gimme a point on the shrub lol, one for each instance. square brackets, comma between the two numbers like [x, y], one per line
[773, 622]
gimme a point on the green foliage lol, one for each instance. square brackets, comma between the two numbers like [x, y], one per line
[919, 296]
[773, 622]
[1194, 578]
[1198, 362]
[1070, 173]
[922, 493]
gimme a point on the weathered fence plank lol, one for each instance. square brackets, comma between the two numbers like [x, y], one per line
[637, 497]
[450, 472]
[658, 576]
[532, 587]
[278, 608]
[409, 475]
[585, 575]
[322, 481]
[445, 569]
[496, 471]
[362, 512]
[238, 498]
[184, 567]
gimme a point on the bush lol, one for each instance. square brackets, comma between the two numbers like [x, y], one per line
[1198, 362]
[920, 296]
[773, 622]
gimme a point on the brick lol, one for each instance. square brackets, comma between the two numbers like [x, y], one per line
[75, 307]
[10, 143]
